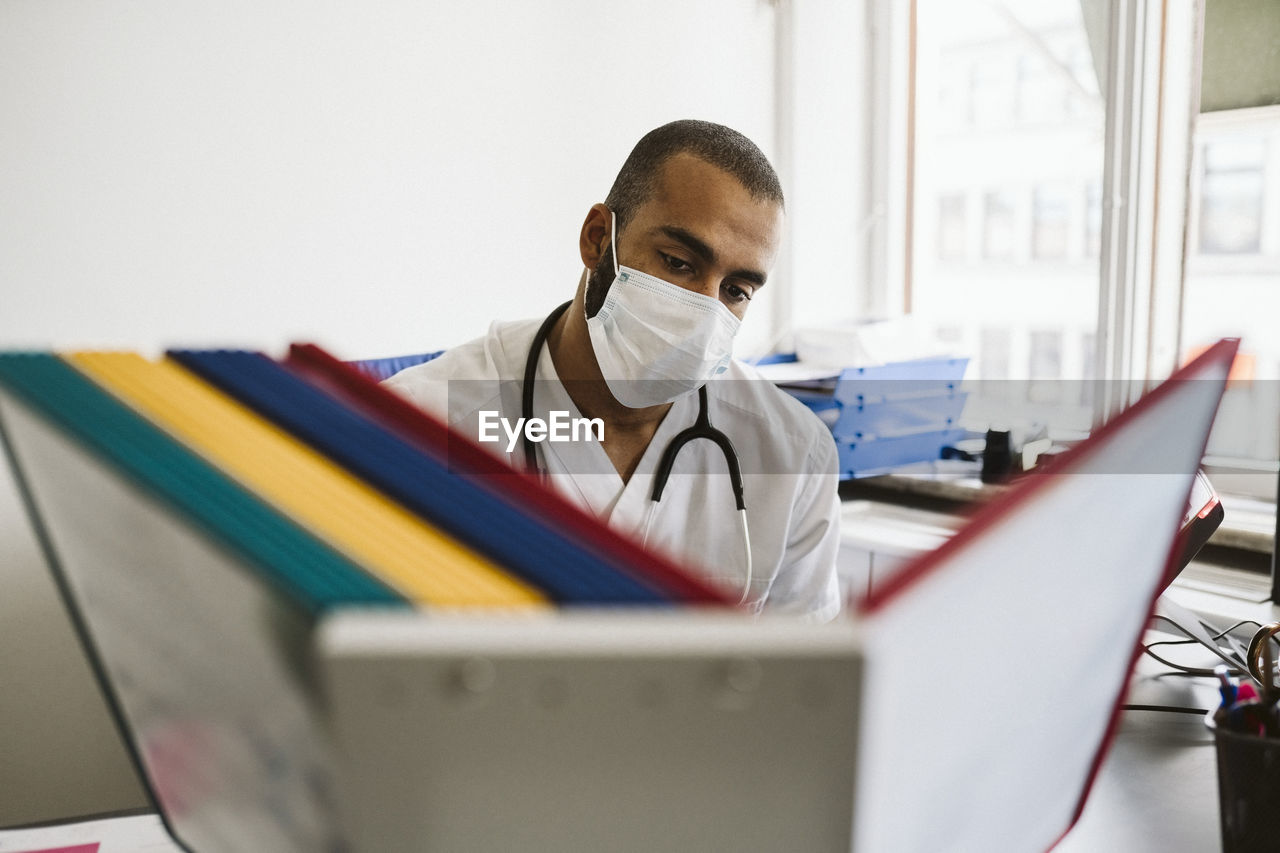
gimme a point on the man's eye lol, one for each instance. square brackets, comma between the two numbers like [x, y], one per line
[737, 293]
[675, 264]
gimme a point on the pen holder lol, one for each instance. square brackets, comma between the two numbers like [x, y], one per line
[1248, 789]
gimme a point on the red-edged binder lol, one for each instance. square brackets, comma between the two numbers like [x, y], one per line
[517, 487]
[997, 664]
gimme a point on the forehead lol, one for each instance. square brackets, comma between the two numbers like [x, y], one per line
[692, 194]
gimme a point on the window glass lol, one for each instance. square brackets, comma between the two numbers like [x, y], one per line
[1231, 194]
[953, 237]
[991, 91]
[1041, 95]
[998, 228]
[952, 102]
[1232, 280]
[993, 354]
[1050, 222]
[1013, 191]
[1046, 354]
[1093, 219]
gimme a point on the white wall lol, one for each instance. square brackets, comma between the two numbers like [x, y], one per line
[378, 177]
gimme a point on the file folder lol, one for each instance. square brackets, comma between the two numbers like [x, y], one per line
[195, 602]
[403, 550]
[518, 538]
[521, 490]
[301, 567]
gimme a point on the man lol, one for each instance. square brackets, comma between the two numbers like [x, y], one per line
[683, 242]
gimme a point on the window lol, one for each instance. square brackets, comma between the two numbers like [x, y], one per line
[953, 95]
[1088, 344]
[1082, 95]
[1232, 286]
[1231, 192]
[1041, 96]
[1018, 191]
[953, 236]
[990, 93]
[1007, 188]
[998, 228]
[1046, 355]
[1093, 219]
[993, 354]
[1050, 223]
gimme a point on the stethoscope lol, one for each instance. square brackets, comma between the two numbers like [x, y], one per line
[701, 428]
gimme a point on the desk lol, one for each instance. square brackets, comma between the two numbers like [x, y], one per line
[134, 832]
[1158, 789]
[1156, 793]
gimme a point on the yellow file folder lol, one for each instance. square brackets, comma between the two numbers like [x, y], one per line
[410, 555]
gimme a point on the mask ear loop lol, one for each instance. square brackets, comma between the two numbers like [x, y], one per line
[613, 242]
[613, 248]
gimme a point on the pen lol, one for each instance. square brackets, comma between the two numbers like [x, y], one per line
[1227, 689]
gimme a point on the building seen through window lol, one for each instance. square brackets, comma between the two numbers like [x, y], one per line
[1232, 284]
[1008, 207]
[1009, 146]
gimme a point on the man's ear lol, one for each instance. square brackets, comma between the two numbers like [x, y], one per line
[593, 240]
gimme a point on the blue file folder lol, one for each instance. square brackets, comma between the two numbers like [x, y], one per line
[561, 567]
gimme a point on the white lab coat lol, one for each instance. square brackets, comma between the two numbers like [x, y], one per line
[787, 456]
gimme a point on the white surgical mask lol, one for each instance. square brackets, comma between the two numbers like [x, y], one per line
[656, 341]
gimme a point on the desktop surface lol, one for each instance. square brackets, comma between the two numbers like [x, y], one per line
[1156, 792]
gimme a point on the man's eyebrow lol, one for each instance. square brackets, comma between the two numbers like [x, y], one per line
[708, 254]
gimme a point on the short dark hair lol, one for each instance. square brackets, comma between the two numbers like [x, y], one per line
[718, 145]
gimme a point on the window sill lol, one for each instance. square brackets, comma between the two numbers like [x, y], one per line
[955, 488]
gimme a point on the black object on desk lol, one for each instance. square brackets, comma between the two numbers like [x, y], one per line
[997, 457]
[1247, 740]
[1248, 788]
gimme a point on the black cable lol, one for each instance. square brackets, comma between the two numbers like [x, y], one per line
[1240, 624]
[1188, 670]
[1185, 670]
[1217, 636]
[1191, 670]
[1172, 709]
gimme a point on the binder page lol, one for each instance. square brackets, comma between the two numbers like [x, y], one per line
[213, 708]
[996, 664]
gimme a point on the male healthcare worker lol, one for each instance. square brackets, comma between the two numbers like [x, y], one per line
[673, 257]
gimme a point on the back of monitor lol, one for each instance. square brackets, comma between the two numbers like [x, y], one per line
[593, 731]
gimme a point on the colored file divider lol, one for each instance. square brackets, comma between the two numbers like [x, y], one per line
[293, 561]
[538, 552]
[466, 459]
[405, 552]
